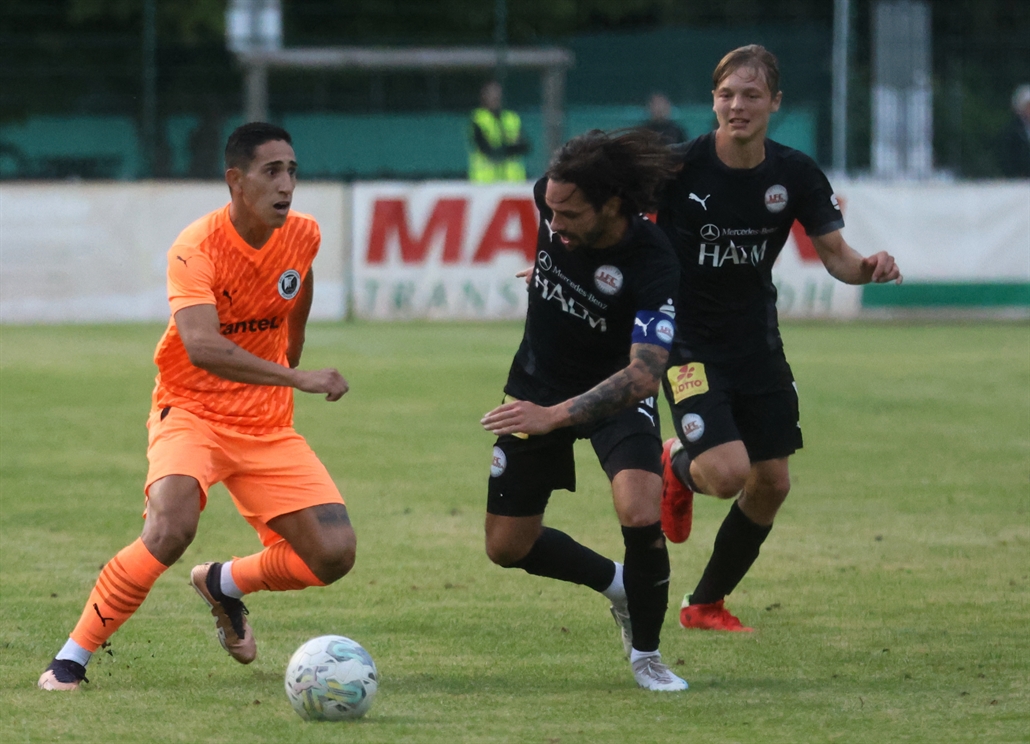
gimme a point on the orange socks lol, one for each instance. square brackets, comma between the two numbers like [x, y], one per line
[127, 578]
[123, 585]
[277, 568]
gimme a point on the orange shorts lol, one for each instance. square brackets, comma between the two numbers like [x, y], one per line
[267, 475]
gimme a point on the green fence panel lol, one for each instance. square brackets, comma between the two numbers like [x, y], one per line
[946, 294]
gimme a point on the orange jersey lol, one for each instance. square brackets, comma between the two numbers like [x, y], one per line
[254, 291]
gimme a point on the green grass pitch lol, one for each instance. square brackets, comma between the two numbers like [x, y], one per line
[890, 600]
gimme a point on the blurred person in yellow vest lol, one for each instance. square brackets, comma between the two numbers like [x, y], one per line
[496, 144]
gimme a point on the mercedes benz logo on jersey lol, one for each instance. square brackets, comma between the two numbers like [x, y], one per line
[289, 284]
[608, 279]
[710, 232]
[776, 198]
[545, 260]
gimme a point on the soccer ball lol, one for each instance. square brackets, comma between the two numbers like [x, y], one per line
[331, 678]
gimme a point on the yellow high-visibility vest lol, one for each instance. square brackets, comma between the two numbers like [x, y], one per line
[498, 131]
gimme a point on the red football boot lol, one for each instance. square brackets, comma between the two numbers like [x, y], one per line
[713, 616]
[677, 499]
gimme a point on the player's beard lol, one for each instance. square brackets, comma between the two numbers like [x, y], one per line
[588, 239]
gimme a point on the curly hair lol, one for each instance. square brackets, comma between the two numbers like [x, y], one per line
[631, 164]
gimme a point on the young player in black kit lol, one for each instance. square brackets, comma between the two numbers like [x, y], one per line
[731, 391]
[598, 330]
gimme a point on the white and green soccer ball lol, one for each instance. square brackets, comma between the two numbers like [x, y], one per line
[331, 678]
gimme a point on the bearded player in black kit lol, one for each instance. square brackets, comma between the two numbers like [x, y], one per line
[596, 343]
[731, 391]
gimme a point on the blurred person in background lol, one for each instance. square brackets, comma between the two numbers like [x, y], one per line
[596, 341]
[496, 144]
[1014, 143]
[732, 394]
[661, 123]
[205, 141]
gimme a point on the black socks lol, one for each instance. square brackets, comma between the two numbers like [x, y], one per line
[646, 576]
[557, 556]
[736, 548]
[681, 467]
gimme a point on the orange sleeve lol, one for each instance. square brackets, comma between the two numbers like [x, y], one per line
[190, 278]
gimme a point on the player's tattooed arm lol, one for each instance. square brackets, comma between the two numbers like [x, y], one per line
[638, 380]
[641, 379]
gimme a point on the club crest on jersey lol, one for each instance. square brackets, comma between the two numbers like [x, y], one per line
[289, 284]
[693, 427]
[776, 198]
[608, 279]
[665, 330]
[499, 463]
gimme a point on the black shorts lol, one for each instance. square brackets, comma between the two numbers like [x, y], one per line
[752, 400]
[525, 471]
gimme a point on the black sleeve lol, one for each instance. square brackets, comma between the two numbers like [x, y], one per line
[517, 148]
[494, 153]
[818, 210]
[538, 196]
[657, 283]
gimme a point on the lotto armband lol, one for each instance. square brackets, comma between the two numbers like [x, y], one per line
[653, 327]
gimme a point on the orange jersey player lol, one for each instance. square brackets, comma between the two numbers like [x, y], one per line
[240, 286]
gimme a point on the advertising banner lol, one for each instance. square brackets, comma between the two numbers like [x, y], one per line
[450, 250]
[944, 232]
[441, 250]
[95, 252]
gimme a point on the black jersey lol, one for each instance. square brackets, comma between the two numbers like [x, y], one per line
[587, 306]
[727, 226]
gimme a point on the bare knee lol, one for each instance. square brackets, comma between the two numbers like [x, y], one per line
[725, 480]
[637, 497]
[771, 490]
[332, 562]
[173, 513]
[509, 539]
[505, 553]
[766, 490]
[640, 518]
[723, 470]
[167, 539]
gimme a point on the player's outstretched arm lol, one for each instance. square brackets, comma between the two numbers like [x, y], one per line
[849, 266]
[640, 379]
[214, 353]
[297, 321]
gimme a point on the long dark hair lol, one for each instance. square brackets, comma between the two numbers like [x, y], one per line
[631, 164]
